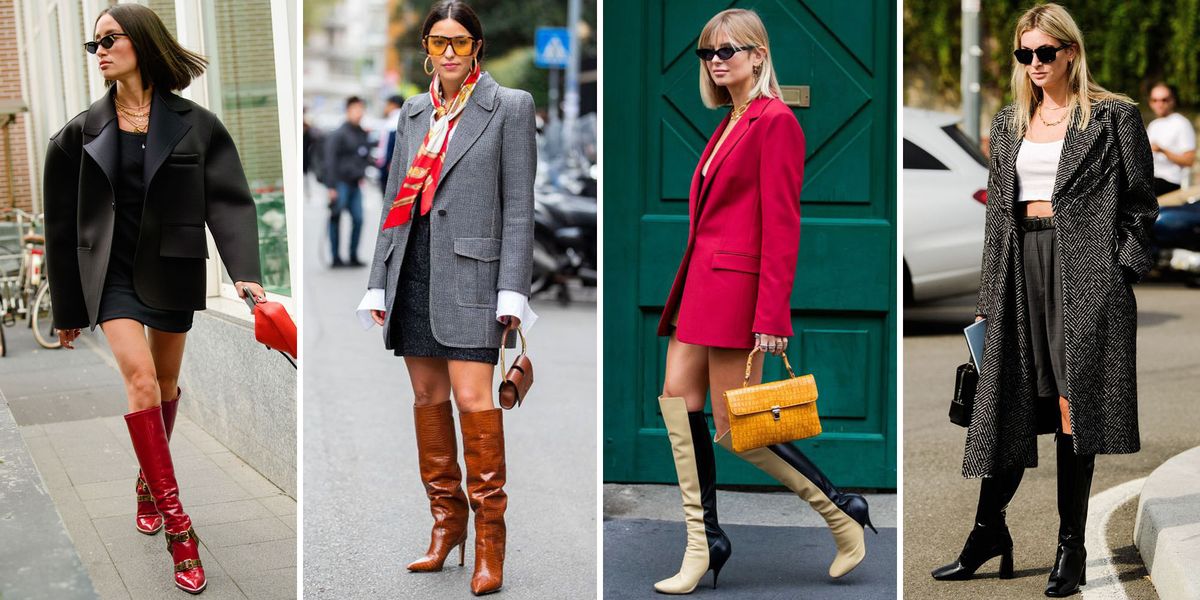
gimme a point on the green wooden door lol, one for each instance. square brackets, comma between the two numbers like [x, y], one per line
[844, 299]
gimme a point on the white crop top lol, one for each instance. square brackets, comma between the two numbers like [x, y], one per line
[1037, 164]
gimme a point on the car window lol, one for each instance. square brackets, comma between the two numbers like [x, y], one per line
[915, 157]
[966, 143]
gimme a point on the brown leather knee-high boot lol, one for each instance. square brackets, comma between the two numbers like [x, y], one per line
[483, 452]
[437, 449]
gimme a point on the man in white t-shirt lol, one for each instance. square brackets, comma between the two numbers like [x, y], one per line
[1172, 139]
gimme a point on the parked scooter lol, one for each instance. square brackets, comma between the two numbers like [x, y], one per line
[564, 243]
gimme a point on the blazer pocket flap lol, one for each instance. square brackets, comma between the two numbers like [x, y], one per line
[184, 159]
[766, 397]
[484, 249]
[183, 241]
[729, 261]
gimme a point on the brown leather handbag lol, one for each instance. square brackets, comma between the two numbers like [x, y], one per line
[774, 412]
[519, 377]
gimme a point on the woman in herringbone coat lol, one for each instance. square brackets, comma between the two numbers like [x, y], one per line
[1070, 206]
[452, 270]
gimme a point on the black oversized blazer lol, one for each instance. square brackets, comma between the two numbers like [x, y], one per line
[192, 176]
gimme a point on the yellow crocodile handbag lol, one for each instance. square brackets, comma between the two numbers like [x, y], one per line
[774, 412]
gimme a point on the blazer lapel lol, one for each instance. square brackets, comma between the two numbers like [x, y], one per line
[1076, 145]
[753, 112]
[421, 123]
[100, 135]
[472, 121]
[166, 129]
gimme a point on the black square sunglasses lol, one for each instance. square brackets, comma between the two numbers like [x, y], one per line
[1045, 54]
[724, 52]
[106, 41]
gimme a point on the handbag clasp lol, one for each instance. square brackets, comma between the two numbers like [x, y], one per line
[775, 412]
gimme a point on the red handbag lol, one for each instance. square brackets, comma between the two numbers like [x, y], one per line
[519, 377]
[273, 326]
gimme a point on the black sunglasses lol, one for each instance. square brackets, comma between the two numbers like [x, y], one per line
[1045, 54]
[724, 52]
[106, 41]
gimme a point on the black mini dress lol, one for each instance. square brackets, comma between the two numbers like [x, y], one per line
[410, 330]
[120, 300]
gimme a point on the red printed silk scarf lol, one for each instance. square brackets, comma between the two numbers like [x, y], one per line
[426, 170]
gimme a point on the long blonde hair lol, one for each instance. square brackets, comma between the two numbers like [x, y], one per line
[1054, 21]
[744, 28]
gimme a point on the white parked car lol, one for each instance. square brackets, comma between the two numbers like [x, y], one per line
[945, 190]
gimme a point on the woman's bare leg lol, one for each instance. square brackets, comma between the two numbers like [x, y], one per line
[131, 349]
[430, 380]
[726, 370]
[686, 373]
[166, 349]
[1064, 409]
[472, 383]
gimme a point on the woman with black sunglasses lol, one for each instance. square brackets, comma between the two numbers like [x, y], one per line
[451, 275]
[130, 184]
[732, 293]
[1070, 206]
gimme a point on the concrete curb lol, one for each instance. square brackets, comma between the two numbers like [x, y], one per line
[37, 557]
[1167, 529]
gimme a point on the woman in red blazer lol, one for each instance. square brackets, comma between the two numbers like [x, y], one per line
[733, 292]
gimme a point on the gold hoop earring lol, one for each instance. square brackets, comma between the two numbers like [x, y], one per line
[428, 67]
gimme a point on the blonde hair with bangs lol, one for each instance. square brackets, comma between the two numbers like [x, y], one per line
[743, 28]
[1054, 21]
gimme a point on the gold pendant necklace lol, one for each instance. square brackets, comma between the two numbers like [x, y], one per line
[738, 111]
[1042, 116]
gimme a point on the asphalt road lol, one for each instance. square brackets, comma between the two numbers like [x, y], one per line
[939, 504]
[365, 512]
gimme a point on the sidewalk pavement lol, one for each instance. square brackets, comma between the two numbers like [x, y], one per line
[781, 547]
[365, 512]
[1167, 532]
[68, 405]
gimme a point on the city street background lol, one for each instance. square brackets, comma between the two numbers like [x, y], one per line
[939, 505]
[365, 512]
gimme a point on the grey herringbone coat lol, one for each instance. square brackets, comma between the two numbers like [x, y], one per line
[1104, 208]
[481, 223]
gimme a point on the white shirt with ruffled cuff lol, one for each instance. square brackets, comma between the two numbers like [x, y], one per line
[508, 304]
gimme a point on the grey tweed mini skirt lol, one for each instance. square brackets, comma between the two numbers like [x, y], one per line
[1043, 292]
[411, 333]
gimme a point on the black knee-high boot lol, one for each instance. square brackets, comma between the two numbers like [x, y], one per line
[1074, 489]
[990, 537]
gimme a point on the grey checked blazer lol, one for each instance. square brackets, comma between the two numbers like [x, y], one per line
[481, 223]
[1104, 209]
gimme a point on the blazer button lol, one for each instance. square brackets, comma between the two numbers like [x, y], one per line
[441, 212]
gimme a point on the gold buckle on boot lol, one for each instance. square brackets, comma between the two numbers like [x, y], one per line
[173, 538]
[185, 565]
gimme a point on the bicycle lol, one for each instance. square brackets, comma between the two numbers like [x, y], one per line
[25, 290]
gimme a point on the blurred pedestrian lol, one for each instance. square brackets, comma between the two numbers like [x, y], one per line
[732, 295]
[347, 156]
[1172, 140]
[130, 256]
[1055, 289]
[451, 276]
[387, 141]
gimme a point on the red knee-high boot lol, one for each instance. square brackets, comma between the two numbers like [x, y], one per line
[147, 520]
[148, 433]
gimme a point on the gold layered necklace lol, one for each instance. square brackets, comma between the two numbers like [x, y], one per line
[137, 116]
[737, 113]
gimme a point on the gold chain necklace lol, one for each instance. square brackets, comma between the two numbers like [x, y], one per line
[738, 111]
[138, 117]
[1042, 116]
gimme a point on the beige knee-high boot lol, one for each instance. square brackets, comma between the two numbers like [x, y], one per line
[707, 546]
[846, 514]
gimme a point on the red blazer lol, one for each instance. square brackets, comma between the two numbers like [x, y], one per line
[744, 233]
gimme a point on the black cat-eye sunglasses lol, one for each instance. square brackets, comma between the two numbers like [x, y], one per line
[106, 41]
[1045, 54]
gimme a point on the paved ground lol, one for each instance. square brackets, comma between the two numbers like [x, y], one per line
[939, 504]
[68, 406]
[365, 512]
[781, 548]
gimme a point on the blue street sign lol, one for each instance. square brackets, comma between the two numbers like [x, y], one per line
[552, 47]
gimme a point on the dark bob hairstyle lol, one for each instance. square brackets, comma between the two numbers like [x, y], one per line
[458, 11]
[161, 60]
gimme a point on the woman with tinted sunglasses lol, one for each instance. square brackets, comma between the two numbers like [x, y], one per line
[130, 184]
[1070, 206]
[732, 293]
[452, 270]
